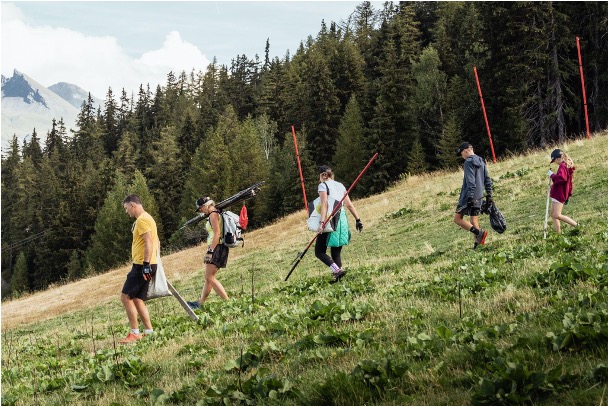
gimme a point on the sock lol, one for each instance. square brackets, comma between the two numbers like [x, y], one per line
[135, 331]
[474, 230]
[334, 267]
[150, 331]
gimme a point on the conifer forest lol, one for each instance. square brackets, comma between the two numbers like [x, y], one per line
[392, 78]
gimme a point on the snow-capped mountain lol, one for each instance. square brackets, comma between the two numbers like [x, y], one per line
[26, 105]
[73, 94]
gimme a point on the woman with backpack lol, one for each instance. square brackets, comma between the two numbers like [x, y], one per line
[217, 253]
[341, 235]
[561, 190]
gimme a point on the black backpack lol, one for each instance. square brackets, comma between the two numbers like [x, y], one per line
[497, 220]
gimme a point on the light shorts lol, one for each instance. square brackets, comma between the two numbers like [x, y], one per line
[555, 200]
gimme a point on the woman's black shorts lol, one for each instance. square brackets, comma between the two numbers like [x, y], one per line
[220, 256]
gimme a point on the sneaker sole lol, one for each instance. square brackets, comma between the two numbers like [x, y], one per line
[338, 279]
[483, 238]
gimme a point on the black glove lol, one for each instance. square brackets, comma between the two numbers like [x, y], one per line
[147, 271]
[489, 200]
[208, 256]
[359, 225]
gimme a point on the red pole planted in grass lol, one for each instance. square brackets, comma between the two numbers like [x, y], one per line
[334, 211]
[485, 116]
[580, 67]
[295, 144]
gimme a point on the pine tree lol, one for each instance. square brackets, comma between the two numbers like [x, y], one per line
[166, 179]
[451, 137]
[320, 108]
[32, 149]
[111, 243]
[416, 160]
[350, 150]
[111, 133]
[430, 96]
[19, 281]
[211, 171]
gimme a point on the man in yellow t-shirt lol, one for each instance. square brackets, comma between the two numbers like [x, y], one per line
[144, 249]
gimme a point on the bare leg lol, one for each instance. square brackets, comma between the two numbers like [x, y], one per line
[212, 283]
[557, 216]
[131, 310]
[142, 309]
[460, 220]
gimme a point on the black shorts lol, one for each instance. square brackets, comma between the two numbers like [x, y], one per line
[468, 211]
[220, 256]
[136, 286]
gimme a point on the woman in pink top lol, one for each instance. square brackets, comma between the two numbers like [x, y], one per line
[561, 190]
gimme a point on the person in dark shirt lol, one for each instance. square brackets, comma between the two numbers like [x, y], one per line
[476, 178]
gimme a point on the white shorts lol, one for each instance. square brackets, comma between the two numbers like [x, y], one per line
[555, 200]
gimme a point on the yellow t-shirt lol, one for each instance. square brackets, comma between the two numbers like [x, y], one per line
[144, 224]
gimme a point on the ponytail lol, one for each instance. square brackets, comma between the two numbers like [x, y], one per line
[567, 160]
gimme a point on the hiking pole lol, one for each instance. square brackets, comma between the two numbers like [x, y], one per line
[459, 300]
[547, 208]
[333, 213]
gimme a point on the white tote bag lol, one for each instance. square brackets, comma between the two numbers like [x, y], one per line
[314, 211]
[158, 285]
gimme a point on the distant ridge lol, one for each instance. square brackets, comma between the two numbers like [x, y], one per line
[27, 105]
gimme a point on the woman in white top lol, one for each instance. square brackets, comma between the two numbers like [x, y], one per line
[341, 236]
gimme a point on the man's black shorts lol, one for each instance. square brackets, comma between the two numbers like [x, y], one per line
[136, 286]
[468, 211]
[220, 256]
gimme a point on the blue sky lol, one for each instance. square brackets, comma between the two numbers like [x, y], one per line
[122, 44]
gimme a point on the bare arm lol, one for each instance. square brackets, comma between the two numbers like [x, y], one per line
[351, 207]
[323, 196]
[148, 246]
[214, 219]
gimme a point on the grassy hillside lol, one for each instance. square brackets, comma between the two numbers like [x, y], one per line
[534, 325]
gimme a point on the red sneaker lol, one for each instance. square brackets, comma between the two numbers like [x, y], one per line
[130, 338]
[480, 239]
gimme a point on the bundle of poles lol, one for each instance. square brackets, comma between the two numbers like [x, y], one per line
[241, 196]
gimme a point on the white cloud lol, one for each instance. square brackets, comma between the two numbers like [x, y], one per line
[50, 55]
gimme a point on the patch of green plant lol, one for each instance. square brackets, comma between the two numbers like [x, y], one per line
[517, 174]
[253, 356]
[400, 213]
[571, 268]
[378, 374]
[513, 383]
[261, 387]
[600, 373]
[582, 328]
[332, 338]
[339, 312]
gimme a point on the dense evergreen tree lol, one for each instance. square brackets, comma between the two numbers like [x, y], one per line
[430, 96]
[19, 281]
[451, 137]
[111, 244]
[350, 149]
[111, 133]
[166, 179]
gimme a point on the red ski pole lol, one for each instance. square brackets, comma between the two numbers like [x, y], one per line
[295, 144]
[334, 211]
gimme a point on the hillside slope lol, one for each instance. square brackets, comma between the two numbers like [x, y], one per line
[398, 308]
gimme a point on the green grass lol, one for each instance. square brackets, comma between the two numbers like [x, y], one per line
[534, 326]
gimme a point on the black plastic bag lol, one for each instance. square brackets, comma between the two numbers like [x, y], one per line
[497, 220]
